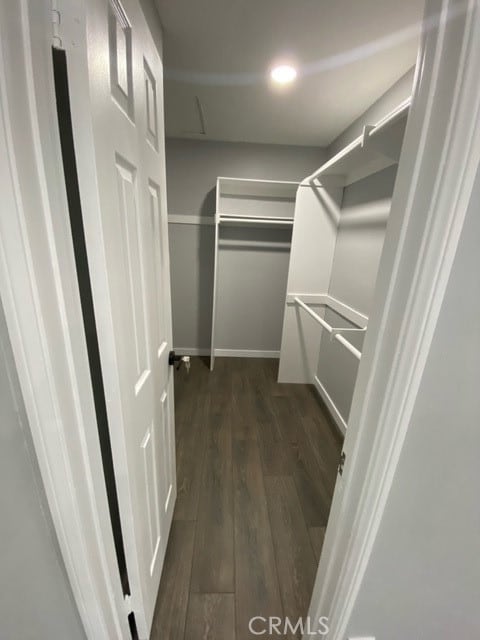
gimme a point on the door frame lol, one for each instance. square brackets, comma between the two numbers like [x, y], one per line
[439, 162]
[39, 290]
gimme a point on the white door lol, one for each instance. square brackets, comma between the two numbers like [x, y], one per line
[116, 96]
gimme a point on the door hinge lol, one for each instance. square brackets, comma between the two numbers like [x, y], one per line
[341, 464]
[128, 604]
[56, 21]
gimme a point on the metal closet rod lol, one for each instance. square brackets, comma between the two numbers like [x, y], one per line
[331, 330]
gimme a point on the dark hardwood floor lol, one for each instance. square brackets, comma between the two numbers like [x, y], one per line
[256, 468]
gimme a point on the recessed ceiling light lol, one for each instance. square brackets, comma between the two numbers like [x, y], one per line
[283, 74]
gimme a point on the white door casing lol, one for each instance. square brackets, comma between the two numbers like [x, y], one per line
[116, 98]
[439, 162]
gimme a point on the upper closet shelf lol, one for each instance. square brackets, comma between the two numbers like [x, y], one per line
[246, 202]
[377, 148]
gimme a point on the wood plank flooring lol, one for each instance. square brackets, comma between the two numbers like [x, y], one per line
[256, 469]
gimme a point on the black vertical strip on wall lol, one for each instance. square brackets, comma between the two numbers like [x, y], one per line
[83, 275]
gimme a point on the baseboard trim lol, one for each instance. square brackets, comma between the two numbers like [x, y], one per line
[245, 353]
[334, 412]
[226, 353]
[191, 351]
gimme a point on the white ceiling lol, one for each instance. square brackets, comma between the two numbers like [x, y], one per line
[218, 54]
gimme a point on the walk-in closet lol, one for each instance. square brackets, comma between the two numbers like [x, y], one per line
[239, 310]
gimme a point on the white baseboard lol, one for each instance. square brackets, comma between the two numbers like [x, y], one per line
[191, 351]
[246, 353]
[334, 412]
[226, 353]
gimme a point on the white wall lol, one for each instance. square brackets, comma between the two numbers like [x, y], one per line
[361, 232]
[423, 577]
[36, 601]
[192, 169]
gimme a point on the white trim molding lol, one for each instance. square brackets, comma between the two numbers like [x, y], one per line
[226, 353]
[439, 162]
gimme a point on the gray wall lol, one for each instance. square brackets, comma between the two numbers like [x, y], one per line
[251, 288]
[192, 169]
[423, 577]
[194, 165]
[397, 93]
[361, 232]
[36, 601]
[191, 274]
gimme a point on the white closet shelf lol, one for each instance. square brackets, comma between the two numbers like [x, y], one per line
[335, 332]
[377, 148]
[245, 244]
[243, 221]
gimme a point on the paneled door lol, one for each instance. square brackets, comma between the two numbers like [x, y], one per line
[116, 98]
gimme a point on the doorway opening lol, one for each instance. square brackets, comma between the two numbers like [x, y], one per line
[265, 452]
[283, 295]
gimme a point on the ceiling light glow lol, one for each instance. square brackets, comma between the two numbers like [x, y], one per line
[283, 74]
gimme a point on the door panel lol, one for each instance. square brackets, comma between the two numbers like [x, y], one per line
[115, 75]
[134, 256]
[120, 55]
